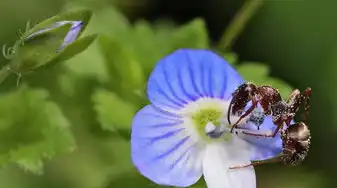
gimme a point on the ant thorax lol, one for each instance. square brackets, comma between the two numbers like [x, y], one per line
[280, 111]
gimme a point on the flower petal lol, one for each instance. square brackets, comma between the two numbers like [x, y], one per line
[73, 33]
[188, 74]
[162, 150]
[264, 147]
[219, 157]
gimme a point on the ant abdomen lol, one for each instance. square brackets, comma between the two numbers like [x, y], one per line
[296, 143]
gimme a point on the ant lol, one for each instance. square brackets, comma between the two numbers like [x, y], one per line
[295, 138]
[271, 102]
[295, 147]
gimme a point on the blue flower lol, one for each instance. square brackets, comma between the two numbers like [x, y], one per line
[174, 140]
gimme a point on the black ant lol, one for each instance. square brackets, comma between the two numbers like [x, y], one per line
[271, 102]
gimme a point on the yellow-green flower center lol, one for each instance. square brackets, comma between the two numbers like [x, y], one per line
[202, 117]
[207, 115]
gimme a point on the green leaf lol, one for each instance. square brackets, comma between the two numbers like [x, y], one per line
[146, 46]
[111, 22]
[254, 71]
[73, 49]
[98, 160]
[121, 64]
[191, 35]
[200, 184]
[113, 112]
[259, 74]
[89, 63]
[32, 129]
[231, 58]
[132, 178]
[151, 42]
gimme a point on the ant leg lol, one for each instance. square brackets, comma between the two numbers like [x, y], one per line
[246, 132]
[250, 110]
[276, 130]
[228, 112]
[293, 95]
[257, 163]
[294, 101]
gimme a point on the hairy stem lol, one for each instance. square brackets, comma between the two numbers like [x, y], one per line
[235, 28]
[5, 71]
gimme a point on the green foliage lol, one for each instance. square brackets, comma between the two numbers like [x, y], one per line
[295, 178]
[99, 91]
[230, 57]
[32, 128]
[113, 112]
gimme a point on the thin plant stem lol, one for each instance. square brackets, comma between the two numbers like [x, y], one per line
[5, 71]
[235, 28]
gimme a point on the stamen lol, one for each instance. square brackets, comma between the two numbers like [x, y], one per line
[213, 131]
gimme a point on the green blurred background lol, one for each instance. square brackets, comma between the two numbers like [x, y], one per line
[69, 126]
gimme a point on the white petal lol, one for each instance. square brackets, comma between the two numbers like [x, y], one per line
[219, 157]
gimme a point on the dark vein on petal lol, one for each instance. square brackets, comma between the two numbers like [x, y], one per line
[171, 88]
[160, 90]
[171, 124]
[180, 143]
[202, 76]
[224, 81]
[190, 61]
[80, 24]
[182, 156]
[191, 97]
[210, 81]
[166, 135]
[167, 113]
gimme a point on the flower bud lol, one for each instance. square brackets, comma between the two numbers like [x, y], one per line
[72, 34]
[53, 40]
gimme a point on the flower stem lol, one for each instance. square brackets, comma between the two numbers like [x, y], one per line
[248, 9]
[5, 71]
